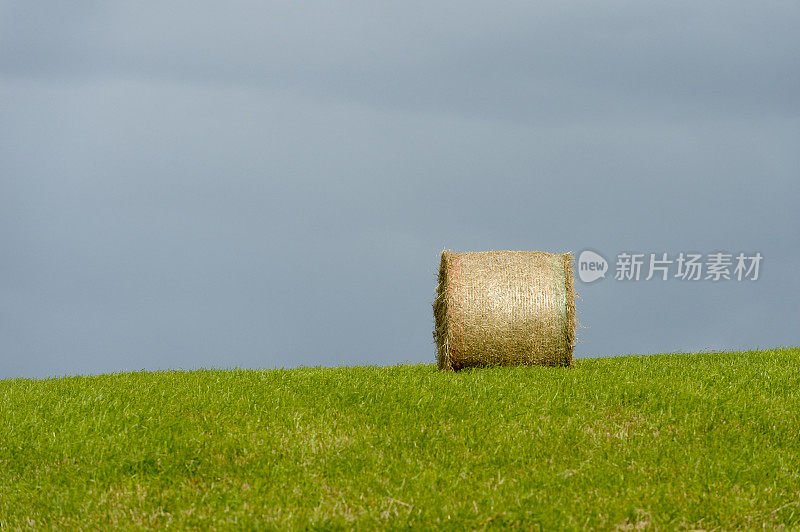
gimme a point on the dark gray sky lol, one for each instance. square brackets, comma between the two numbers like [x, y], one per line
[194, 184]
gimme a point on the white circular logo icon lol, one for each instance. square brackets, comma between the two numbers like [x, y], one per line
[591, 266]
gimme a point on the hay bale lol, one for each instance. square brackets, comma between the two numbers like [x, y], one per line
[504, 308]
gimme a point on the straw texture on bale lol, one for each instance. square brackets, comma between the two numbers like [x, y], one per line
[504, 308]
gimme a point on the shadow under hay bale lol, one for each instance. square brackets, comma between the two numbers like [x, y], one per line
[501, 308]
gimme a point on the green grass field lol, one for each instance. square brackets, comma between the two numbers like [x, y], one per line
[708, 440]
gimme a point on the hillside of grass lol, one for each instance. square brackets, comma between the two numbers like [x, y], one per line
[682, 440]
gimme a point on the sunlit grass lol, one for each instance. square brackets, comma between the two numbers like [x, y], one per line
[694, 440]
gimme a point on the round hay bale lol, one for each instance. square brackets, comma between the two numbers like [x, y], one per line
[504, 308]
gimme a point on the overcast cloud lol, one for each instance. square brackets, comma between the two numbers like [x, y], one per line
[195, 184]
